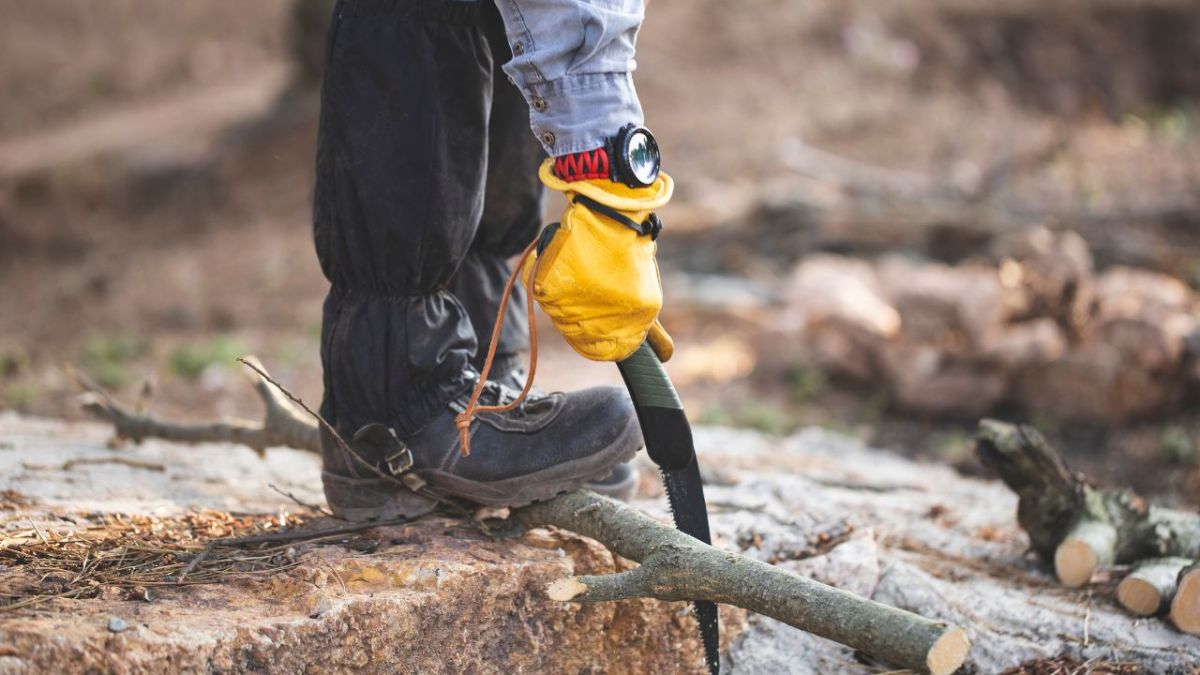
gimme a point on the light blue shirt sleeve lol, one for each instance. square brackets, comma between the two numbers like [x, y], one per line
[573, 60]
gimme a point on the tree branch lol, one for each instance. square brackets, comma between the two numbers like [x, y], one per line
[284, 424]
[677, 567]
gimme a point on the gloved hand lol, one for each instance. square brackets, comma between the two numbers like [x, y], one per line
[594, 275]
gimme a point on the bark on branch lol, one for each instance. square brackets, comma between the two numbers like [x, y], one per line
[674, 566]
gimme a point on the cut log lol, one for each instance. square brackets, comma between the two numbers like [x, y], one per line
[1073, 524]
[836, 304]
[1146, 316]
[1130, 292]
[1040, 331]
[1096, 383]
[1017, 346]
[842, 291]
[936, 300]
[924, 380]
[1054, 275]
[1089, 545]
[1149, 588]
[921, 538]
[1146, 343]
[1185, 608]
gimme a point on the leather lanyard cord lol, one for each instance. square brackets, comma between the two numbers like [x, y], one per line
[463, 419]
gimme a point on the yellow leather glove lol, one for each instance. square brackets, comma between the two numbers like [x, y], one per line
[597, 278]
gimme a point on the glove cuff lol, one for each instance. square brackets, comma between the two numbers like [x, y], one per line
[611, 194]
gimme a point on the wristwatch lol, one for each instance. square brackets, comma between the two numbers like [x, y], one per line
[630, 157]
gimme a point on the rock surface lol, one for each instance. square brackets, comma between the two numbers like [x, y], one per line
[438, 595]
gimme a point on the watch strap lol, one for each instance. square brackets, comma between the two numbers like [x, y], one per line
[583, 165]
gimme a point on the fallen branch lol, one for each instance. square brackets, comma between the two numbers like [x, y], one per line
[283, 425]
[89, 461]
[289, 537]
[673, 565]
[676, 567]
[315, 508]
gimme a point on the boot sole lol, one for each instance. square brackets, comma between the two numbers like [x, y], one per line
[365, 499]
[622, 492]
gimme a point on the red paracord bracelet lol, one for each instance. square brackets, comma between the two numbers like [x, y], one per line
[583, 165]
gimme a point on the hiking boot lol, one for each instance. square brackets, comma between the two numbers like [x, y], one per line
[549, 444]
[621, 483]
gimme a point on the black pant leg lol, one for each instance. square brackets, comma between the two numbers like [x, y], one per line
[401, 164]
[512, 209]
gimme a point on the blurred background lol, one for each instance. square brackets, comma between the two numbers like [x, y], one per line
[892, 218]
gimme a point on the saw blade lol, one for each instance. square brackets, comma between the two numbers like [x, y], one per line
[668, 438]
[684, 492]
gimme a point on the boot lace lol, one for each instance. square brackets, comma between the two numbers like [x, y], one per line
[504, 404]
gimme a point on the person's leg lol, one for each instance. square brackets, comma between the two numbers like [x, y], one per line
[399, 191]
[401, 164]
[512, 210]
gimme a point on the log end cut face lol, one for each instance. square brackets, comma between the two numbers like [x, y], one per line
[1074, 562]
[1139, 596]
[949, 652]
[1185, 609]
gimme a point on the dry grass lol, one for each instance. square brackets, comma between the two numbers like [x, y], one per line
[124, 556]
[1068, 666]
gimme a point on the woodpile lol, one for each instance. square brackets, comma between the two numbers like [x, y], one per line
[1042, 330]
[1081, 529]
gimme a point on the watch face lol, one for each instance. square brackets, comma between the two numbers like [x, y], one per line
[641, 157]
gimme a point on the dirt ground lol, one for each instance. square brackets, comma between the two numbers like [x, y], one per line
[161, 259]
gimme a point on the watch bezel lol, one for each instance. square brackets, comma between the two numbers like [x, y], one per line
[622, 167]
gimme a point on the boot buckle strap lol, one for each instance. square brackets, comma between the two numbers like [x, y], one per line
[377, 440]
[399, 461]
